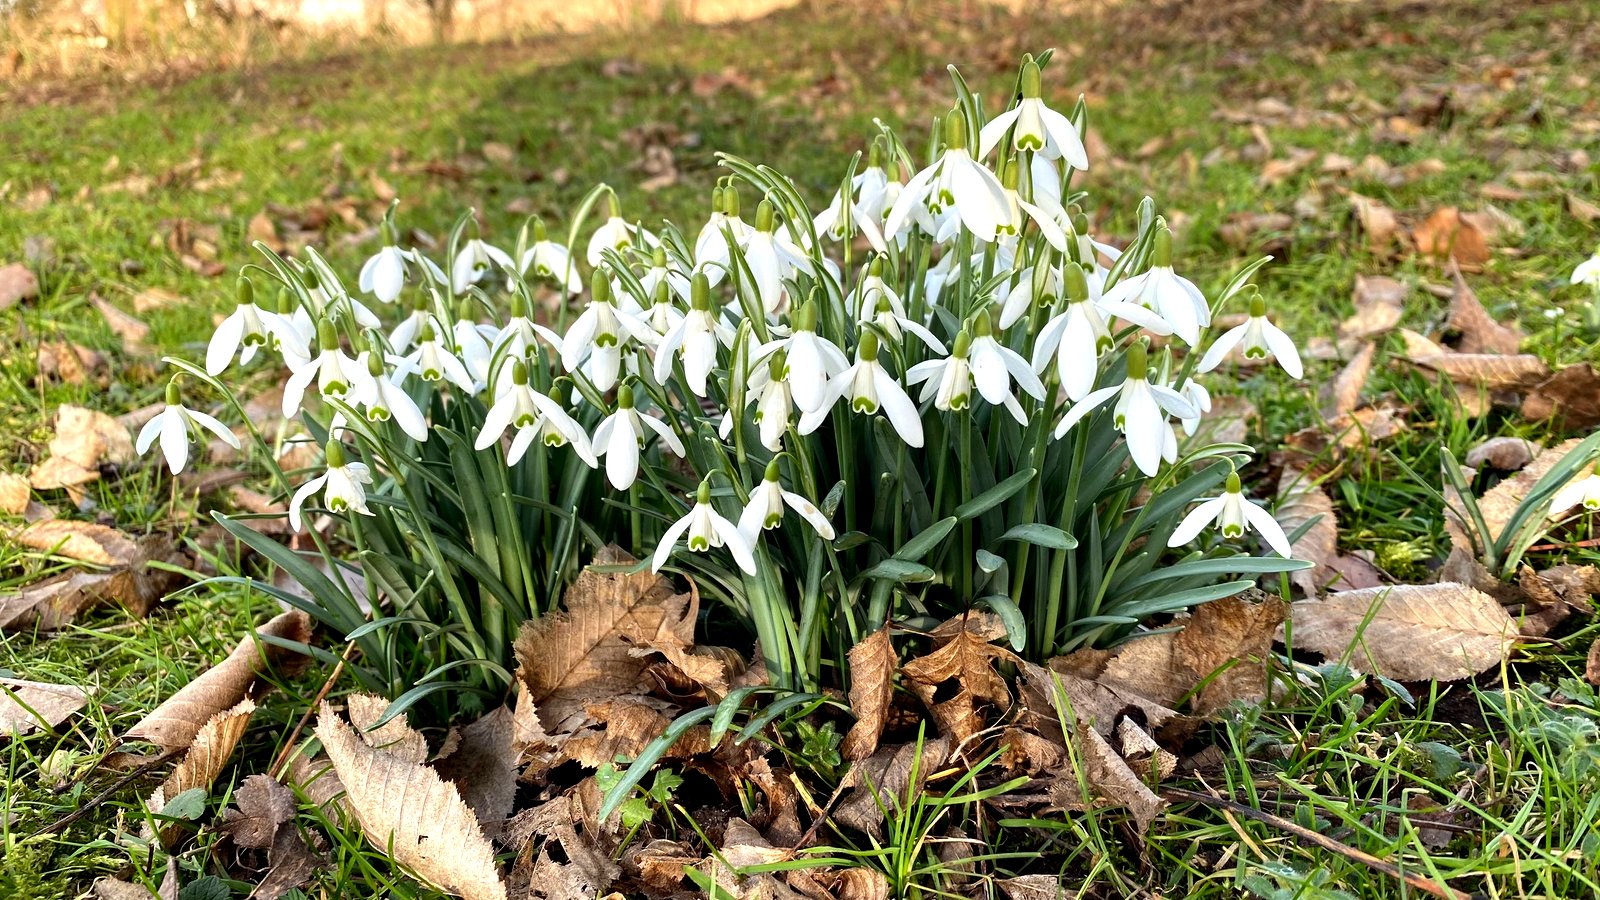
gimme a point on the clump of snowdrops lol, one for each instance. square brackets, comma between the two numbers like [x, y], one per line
[939, 393]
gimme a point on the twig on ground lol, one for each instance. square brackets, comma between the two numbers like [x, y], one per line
[103, 796]
[278, 765]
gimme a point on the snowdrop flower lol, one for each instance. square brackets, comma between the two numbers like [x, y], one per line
[1584, 492]
[173, 426]
[1140, 414]
[435, 361]
[1037, 127]
[694, 340]
[813, 360]
[1200, 399]
[872, 288]
[1175, 299]
[520, 336]
[615, 233]
[1020, 211]
[621, 436]
[897, 327]
[595, 340]
[768, 391]
[1077, 337]
[995, 366]
[328, 298]
[661, 272]
[948, 382]
[771, 257]
[865, 207]
[336, 374]
[384, 400]
[1235, 514]
[550, 262]
[870, 389]
[764, 512]
[251, 327]
[341, 487]
[663, 314]
[474, 261]
[711, 249]
[472, 347]
[706, 529]
[1038, 285]
[1588, 272]
[532, 415]
[1261, 339]
[955, 182]
[384, 273]
[404, 335]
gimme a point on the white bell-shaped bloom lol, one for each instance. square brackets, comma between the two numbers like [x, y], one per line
[712, 252]
[839, 220]
[948, 382]
[772, 257]
[1174, 298]
[768, 391]
[341, 487]
[897, 327]
[595, 341]
[1077, 337]
[550, 262]
[1037, 127]
[472, 348]
[956, 182]
[621, 436]
[1234, 514]
[1020, 212]
[870, 390]
[1200, 399]
[327, 299]
[1584, 492]
[251, 327]
[383, 399]
[694, 339]
[383, 275]
[706, 529]
[435, 360]
[1038, 286]
[1261, 340]
[615, 233]
[174, 424]
[531, 415]
[404, 335]
[813, 360]
[871, 288]
[1141, 413]
[336, 374]
[764, 512]
[519, 337]
[476, 260]
[995, 366]
[1588, 272]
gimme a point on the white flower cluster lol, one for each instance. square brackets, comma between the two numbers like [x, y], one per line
[1009, 301]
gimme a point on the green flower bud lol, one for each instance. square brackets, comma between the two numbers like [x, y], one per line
[600, 286]
[1031, 88]
[955, 130]
[1161, 250]
[982, 325]
[778, 365]
[327, 338]
[173, 397]
[730, 201]
[519, 372]
[334, 453]
[245, 291]
[658, 257]
[717, 204]
[874, 156]
[867, 348]
[663, 293]
[700, 292]
[1010, 172]
[538, 230]
[804, 318]
[519, 305]
[1075, 282]
[875, 268]
[1138, 361]
[1258, 303]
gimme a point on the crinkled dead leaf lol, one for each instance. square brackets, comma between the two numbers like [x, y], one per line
[17, 282]
[1037, 887]
[1489, 371]
[1581, 209]
[1412, 632]
[1300, 501]
[967, 659]
[1508, 454]
[1480, 333]
[26, 706]
[1115, 781]
[1141, 752]
[623, 727]
[116, 889]
[261, 820]
[886, 778]
[406, 809]
[1377, 221]
[559, 861]
[1448, 234]
[68, 363]
[1570, 398]
[570, 659]
[15, 494]
[1591, 671]
[1379, 302]
[1343, 393]
[1074, 688]
[395, 737]
[174, 724]
[90, 438]
[483, 767]
[131, 331]
[1499, 503]
[209, 752]
[89, 542]
[872, 664]
[56, 601]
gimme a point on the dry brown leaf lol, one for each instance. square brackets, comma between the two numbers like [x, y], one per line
[1489, 371]
[52, 603]
[967, 659]
[395, 737]
[152, 299]
[17, 282]
[68, 363]
[1411, 632]
[1570, 397]
[1447, 234]
[90, 438]
[26, 706]
[885, 779]
[1379, 302]
[569, 865]
[1075, 688]
[1343, 394]
[1507, 454]
[173, 724]
[1300, 501]
[1141, 752]
[1378, 221]
[261, 822]
[407, 810]
[1581, 209]
[1037, 887]
[483, 768]
[1115, 781]
[128, 329]
[1480, 333]
[627, 724]
[1591, 670]
[212, 747]
[1499, 503]
[54, 474]
[15, 494]
[570, 659]
[89, 542]
[872, 664]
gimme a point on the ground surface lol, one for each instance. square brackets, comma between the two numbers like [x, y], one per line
[1250, 126]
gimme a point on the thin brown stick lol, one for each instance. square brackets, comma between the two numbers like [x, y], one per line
[1564, 545]
[1227, 804]
[103, 796]
[279, 764]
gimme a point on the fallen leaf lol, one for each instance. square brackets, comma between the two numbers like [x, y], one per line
[1413, 632]
[1446, 234]
[498, 153]
[209, 752]
[1301, 501]
[1507, 454]
[174, 724]
[1341, 395]
[872, 664]
[623, 727]
[1037, 887]
[1115, 781]
[1488, 371]
[1479, 332]
[1581, 209]
[260, 820]
[88, 542]
[26, 706]
[15, 494]
[570, 865]
[1499, 503]
[1079, 682]
[483, 768]
[1378, 221]
[151, 299]
[1570, 398]
[128, 329]
[52, 603]
[1379, 302]
[17, 282]
[90, 438]
[967, 660]
[886, 780]
[1591, 671]
[406, 810]
[68, 363]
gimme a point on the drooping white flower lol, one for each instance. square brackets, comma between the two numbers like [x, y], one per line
[476, 260]
[1038, 286]
[948, 381]
[1037, 127]
[336, 374]
[897, 327]
[341, 487]
[870, 390]
[404, 335]
[251, 327]
[519, 337]
[768, 391]
[1200, 399]
[1588, 272]
[532, 415]
[174, 424]
[863, 210]
[813, 360]
[663, 314]
[1235, 514]
[1141, 412]
[954, 182]
[472, 347]
[1584, 492]
[621, 436]
[706, 529]
[1261, 339]
[434, 360]
[383, 399]
[764, 512]
[595, 340]
[995, 366]
[871, 288]
[712, 252]
[694, 340]
[1019, 211]
[663, 271]
[1077, 337]
[1174, 298]
[327, 299]
[615, 233]
[772, 257]
[550, 262]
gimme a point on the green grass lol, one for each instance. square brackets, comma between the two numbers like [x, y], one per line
[1343, 757]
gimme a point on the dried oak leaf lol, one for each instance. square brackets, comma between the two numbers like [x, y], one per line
[90, 438]
[131, 331]
[483, 767]
[872, 664]
[26, 706]
[1301, 501]
[1508, 454]
[1379, 302]
[568, 660]
[570, 864]
[1378, 221]
[1480, 333]
[1341, 395]
[406, 809]
[17, 282]
[209, 752]
[174, 724]
[967, 658]
[1571, 397]
[886, 778]
[1448, 234]
[1413, 632]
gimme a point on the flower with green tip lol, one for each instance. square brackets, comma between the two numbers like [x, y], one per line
[595, 341]
[532, 415]
[694, 339]
[871, 390]
[1179, 304]
[1234, 514]
[384, 400]
[1584, 492]
[706, 529]
[956, 184]
[995, 366]
[764, 512]
[1077, 337]
[772, 257]
[476, 260]
[1037, 127]
[622, 435]
[341, 486]
[174, 425]
[1141, 413]
[250, 327]
[1261, 340]
[813, 360]
[550, 262]
[1588, 272]
[335, 372]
